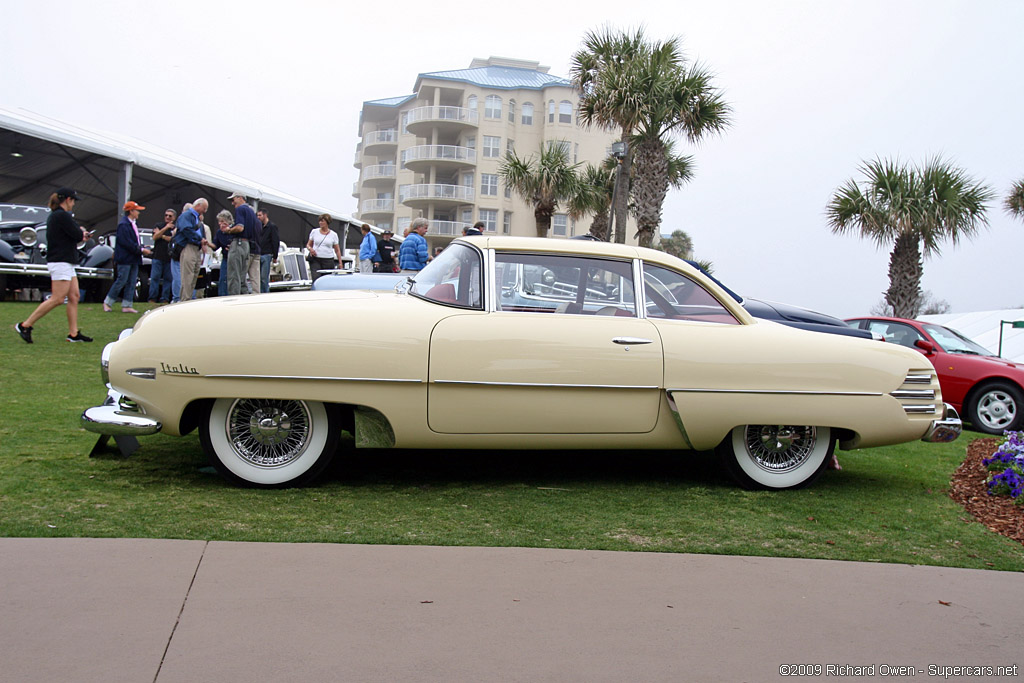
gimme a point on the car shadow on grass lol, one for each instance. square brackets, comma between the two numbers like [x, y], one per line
[411, 467]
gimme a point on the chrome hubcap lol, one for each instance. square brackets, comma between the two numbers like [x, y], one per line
[268, 433]
[780, 448]
[997, 409]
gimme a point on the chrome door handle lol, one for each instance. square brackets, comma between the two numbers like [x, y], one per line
[631, 340]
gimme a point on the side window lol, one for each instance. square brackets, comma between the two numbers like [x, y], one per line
[896, 333]
[453, 278]
[572, 285]
[670, 295]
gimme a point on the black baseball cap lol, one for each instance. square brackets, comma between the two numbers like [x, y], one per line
[66, 193]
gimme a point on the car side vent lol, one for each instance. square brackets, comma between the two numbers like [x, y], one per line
[915, 397]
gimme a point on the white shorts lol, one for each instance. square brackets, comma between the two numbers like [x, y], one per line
[61, 271]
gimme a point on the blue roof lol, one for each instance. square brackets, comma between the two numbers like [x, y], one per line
[390, 101]
[500, 77]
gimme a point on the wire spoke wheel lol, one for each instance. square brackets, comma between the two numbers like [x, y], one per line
[780, 448]
[270, 442]
[776, 456]
[268, 433]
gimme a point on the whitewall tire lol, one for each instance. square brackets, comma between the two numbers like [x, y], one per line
[776, 456]
[270, 442]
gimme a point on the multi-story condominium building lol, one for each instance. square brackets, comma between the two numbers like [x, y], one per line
[435, 153]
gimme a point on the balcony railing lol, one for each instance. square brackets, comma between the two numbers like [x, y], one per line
[379, 171]
[447, 227]
[378, 206]
[439, 153]
[455, 114]
[379, 137]
[459, 193]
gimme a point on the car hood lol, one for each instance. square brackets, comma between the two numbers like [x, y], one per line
[995, 360]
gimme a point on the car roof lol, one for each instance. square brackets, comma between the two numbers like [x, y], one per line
[581, 247]
[886, 318]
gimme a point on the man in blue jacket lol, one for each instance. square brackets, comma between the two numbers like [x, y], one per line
[414, 253]
[128, 253]
[367, 250]
[189, 239]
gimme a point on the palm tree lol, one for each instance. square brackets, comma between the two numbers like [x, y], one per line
[651, 92]
[688, 105]
[680, 244]
[913, 209]
[544, 180]
[1014, 204]
[600, 71]
[597, 185]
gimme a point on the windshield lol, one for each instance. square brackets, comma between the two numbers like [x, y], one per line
[952, 341]
[452, 278]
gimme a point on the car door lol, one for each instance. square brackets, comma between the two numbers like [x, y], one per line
[571, 357]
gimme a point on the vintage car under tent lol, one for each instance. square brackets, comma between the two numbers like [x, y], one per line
[39, 154]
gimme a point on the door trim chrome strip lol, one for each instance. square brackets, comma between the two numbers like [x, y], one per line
[317, 379]
[541, 384]
[777, 391]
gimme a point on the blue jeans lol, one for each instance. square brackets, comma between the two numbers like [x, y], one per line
[265, 261]
[160, 281]
[124, 285]
[175, 281]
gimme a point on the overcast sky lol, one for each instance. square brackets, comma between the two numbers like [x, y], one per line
[272, 92]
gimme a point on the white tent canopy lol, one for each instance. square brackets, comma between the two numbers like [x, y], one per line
[107, 169]
[984, 326]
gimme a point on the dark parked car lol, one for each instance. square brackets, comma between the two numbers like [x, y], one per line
[801, 318]
[23, 254]
[986, 389]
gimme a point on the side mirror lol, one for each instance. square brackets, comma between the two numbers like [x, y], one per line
[925, 346]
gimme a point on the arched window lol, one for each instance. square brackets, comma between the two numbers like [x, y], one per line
[471, 102]
[527, 113]
[492, 107]
[565, 111]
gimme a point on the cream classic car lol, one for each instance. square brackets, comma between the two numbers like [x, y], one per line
[513, 343]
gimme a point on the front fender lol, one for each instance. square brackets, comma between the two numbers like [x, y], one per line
[100, 255]
[6, 252]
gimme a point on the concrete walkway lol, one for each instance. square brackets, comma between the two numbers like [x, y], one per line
[167, 611]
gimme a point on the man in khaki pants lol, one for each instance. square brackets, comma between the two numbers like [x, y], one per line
[189, 233]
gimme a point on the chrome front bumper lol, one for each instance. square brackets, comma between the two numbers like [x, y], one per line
[945, 430]
[118, 417]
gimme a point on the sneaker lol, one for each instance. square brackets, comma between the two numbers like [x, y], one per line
[79, 337]
[25, 332]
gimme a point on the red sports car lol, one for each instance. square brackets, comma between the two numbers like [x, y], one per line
[987, 390]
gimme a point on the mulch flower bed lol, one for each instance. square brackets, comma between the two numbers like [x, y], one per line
[998, 513]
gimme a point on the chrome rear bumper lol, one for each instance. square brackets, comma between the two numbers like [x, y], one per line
[945, 430]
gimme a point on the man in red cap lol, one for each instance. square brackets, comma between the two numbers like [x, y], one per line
[128, 253]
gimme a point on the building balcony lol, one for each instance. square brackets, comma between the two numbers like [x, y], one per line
[423, 195]
[422, 120]
[377, 206]
[447, 228]
[355, 190]
[379, 175]
[378, 140]
[421, 157]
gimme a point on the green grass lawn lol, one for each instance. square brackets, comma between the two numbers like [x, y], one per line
[886, 505]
